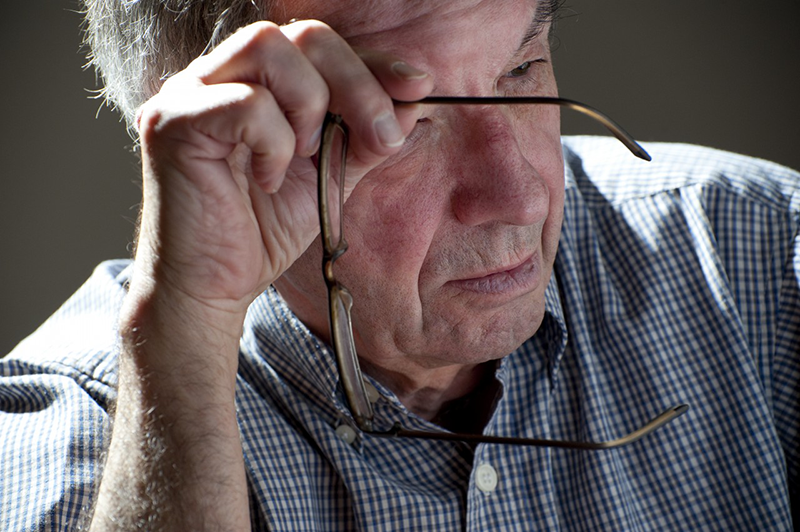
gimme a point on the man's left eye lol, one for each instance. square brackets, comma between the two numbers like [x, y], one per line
[521, 70]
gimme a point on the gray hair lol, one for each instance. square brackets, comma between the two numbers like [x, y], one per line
[134, 45]
[137, 44]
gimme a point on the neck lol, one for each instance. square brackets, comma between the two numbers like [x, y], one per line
[459, 398]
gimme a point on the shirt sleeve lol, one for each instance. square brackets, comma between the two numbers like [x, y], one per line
[56, 391]
[786, 368]
[51, 451]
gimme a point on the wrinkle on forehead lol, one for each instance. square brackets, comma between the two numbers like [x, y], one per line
[357, 18]
[348, 16]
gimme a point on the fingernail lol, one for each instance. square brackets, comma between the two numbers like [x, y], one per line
[407, 72]
[388, 130]
[313, 142]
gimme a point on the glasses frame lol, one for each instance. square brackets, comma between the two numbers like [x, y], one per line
[340, 301]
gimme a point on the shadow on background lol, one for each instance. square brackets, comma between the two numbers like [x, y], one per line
[722, 74]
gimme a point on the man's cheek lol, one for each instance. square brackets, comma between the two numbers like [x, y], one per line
[394, 229]
[392, 244]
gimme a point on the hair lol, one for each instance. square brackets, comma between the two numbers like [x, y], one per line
[134, 45]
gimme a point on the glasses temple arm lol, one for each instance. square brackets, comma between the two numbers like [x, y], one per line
[587, 110]
[347, 361]
[652, 425]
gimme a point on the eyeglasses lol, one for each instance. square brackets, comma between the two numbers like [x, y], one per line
[331, 180]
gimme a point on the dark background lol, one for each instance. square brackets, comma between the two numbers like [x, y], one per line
[722, 74]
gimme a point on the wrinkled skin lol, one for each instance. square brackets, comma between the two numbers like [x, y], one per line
[435, 229]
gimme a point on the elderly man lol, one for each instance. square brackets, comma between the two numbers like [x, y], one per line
[504, 283]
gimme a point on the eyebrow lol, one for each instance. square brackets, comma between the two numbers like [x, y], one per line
[544, 14]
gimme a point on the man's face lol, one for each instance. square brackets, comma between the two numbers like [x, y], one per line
[453, 239]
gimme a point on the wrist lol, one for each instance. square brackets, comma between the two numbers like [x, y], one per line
[177, 342]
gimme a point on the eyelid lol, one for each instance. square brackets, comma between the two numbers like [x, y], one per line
[529, 64]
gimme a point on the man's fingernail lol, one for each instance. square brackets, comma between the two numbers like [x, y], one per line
[388, 130]
[313, 142]
[407, 72]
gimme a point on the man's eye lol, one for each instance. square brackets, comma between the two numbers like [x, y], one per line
[521, 70]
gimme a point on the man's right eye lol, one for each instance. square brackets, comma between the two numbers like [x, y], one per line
[521, 70]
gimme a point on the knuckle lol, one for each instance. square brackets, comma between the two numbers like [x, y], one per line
[256, 40]
[315, 101]
[309, 33]
[252, 96]
[260, 31]
[372, 100]
[180, 80]
[272, 123]
[158, 116]
[305, 87]
[149, 119]
[284, 151]
[317, 40]
[276, 158]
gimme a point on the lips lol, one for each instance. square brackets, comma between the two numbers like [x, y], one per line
[522, 276]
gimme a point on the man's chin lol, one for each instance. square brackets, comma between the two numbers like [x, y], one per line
[474, 343]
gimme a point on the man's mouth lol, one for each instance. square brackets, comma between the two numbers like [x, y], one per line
[509, 279]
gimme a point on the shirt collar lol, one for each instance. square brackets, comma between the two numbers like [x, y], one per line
[549, 341]
[295, 357]
[274, 334]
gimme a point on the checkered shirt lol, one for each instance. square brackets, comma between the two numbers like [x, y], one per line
[676, 281]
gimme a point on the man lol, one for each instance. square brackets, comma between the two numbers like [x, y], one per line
[675, 282]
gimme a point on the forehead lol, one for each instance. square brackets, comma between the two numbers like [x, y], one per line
[368, 22]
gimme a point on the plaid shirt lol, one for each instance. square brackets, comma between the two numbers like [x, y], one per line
[676, 281]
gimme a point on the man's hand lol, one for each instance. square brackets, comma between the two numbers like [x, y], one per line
[230, 190]
[229, 205]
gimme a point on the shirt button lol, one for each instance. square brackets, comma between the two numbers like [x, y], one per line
[346, 433]
[372, 392]
[486, 478]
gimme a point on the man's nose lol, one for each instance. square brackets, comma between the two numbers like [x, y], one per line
[494, 180]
